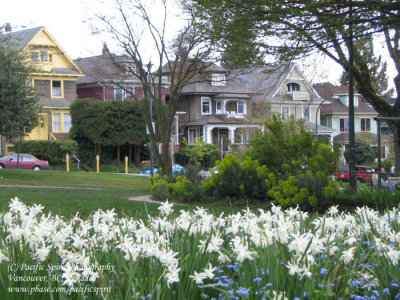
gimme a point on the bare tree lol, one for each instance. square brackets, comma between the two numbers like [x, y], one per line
[174, 62]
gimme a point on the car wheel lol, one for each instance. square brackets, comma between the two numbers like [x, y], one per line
[36, 168]
[1, 166]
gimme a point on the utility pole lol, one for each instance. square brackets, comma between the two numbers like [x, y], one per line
[352, 162]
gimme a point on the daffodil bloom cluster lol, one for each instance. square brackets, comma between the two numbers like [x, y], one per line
[206, 253]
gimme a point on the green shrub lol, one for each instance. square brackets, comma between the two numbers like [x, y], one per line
[52, 151]
[374, 198]
[177, 188]
[237, 179]
[199, 154]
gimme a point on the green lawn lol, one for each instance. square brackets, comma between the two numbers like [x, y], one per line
[66, 193]
[89, 192]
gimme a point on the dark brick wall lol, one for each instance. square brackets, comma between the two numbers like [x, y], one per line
[42, 88]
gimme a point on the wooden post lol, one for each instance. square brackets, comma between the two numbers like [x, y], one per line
[98, 163]
[67, 161]
[126, 164]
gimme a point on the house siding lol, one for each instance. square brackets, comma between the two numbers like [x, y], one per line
[69, 90]
[42, 88]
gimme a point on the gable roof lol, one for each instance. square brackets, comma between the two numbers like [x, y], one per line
[21, 40]
[266, 81]
[104, 68]
[334, 106]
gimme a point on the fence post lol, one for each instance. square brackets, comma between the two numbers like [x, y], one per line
[126, 164]
[97, 163]
[67, 161]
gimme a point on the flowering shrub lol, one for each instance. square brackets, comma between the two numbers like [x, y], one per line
[277, 254]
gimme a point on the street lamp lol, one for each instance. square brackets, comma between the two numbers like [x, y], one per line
[316, 119]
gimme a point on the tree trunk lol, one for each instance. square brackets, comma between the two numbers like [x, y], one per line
[395, 128]
[130, 155]
[118, 155]
[137, 155]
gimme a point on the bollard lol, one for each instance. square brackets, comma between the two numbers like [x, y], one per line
[67, 161]
[126, 164]
[98, 163]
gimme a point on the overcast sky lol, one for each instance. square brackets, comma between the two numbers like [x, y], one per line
[67, 22]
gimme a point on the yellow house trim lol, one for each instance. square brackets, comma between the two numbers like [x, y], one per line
[61, 124]
[55, 44]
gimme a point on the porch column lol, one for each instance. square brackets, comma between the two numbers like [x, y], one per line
[231, 134]
[205, 134]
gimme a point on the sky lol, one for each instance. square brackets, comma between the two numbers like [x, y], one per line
[69, 23]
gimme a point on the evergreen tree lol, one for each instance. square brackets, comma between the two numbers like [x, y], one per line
[377, 68]
[19, 107]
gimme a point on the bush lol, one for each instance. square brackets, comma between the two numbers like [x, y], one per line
[177, 188]
[52, 151]
[199, 154]
[237, 180]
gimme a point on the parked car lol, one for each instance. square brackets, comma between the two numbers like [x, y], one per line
[364, 175]
[207, 174]
[176, 170]
[26, 161]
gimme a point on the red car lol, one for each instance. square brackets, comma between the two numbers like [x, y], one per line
[364, 175]
[26, 161]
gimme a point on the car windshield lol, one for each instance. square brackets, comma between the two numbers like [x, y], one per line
[344, 168]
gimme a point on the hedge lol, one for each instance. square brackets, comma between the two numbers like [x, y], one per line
[52, 151]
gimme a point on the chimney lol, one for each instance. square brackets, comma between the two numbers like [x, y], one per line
[105, 49]
[7, 27]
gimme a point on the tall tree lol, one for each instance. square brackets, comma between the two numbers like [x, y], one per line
[289, 29]
[141, 27]
[19, 107]
[376, 66]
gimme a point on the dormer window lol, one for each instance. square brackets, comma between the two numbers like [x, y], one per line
[44, 56]
[218, 79]
[34, 57]
[293, 87]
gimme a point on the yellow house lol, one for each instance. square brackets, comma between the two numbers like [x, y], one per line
[54, 83]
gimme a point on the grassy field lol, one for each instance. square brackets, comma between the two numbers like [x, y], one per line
[67, 193]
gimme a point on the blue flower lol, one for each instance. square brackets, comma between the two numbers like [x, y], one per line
[243, 292]
[323, 272]
[356, 283]
[376, 293]
[68, 292]
[394, 285]
[258, 280]
[385, 291]
[149, 296]
[321, 286]
[296, 298]
[268, 285]
[305, 294]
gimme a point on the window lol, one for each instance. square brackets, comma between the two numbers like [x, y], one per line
[43, 56]
[218, 107]
[285, 112]
[118, 93]
[218, 79]
[205, 106]
[293, 87]
[67, 122]
[365, 124]
[241, 107]
[306, 113]
[35, 57]
[344, 124]
[57, 122]
[193, 134]
[56, 88]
